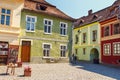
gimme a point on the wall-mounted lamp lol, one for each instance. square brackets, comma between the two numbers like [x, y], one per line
[79, 31]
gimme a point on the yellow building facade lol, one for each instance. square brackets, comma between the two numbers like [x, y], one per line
[87, 42]
[10, 14]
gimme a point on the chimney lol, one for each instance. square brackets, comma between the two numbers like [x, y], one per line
[90, 12]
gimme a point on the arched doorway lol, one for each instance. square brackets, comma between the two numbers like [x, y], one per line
[94, 54]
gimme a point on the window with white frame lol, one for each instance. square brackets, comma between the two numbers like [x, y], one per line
[63, 28]
[63, 49]
[116, 48]
[46, 50]
[5, 15]
[30, 23]
[107, 48]
[48, 26]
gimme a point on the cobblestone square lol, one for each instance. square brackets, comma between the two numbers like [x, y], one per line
[64, 71]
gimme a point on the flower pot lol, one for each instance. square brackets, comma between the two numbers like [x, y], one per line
[27, 71]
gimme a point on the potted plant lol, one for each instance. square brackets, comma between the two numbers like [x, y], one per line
[27, 71]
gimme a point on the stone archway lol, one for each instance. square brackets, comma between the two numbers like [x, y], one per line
[94, 54]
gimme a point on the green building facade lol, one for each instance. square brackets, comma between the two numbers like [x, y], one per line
[45, 37]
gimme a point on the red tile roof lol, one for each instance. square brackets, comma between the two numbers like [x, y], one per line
[50, 9]
[43, 2]
[114, 10]
[94, 17]
[101, 15]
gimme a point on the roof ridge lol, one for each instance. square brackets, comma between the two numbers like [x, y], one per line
[102, 14]
[43, 2]
[50, 9]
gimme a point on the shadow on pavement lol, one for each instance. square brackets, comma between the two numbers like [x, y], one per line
[4, 74]
[20, 76]
[108, 71]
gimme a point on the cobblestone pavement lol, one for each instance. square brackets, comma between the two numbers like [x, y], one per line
[64, 71]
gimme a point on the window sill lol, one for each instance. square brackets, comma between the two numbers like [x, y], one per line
[107, 54]
[63, 35]
[63, 57]
[116, 54]
[30, 31]
[45, 57]
[48, 33]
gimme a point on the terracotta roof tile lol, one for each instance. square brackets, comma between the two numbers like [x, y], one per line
[106, 13]
[97, 16]
[50, 9]
[114, 10]
[43, 2]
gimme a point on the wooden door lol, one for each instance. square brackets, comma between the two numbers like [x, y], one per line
[26, 48]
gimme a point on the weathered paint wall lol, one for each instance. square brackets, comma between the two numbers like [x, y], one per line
[38, 37]
[90, 44]
[11, 33]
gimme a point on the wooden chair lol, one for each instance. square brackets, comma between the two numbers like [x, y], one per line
[12, 63]
[12, 66]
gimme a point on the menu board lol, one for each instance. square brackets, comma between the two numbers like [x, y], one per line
[13, 53]
[3, 48]
[8, 53]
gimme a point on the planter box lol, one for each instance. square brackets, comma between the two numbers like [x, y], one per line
[27, 71]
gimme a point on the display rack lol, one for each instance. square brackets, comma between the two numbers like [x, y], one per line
[4, 50]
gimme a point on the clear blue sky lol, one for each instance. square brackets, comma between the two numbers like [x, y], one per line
[79, 8]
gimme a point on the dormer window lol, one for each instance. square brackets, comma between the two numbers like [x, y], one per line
[41, 7]
[113, 10]
[95, 17]
[81, 21]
